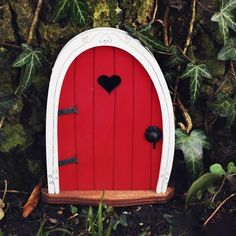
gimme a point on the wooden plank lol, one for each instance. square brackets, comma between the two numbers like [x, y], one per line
[103, 120]
[84, 84]
[123, 121]
[156, 153]
[142, 120]
[114, 198]
[66, 132]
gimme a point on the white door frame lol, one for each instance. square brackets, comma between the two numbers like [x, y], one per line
[120, 39]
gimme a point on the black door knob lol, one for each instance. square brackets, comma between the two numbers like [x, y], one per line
[153, 134]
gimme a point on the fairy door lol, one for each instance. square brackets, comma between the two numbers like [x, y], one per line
[109, 123]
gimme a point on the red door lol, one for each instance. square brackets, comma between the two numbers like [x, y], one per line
[106, 104]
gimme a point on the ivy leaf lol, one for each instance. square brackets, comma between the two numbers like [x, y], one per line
[148, 40]
[225, 106]
[6, 103]
[77, 8]
[228, 52]
[192, 147]
[61, 9]
[201, 184]
[228, 5]
[225, 18]
[29, 60]
[79, 11]
[196, 72]
[176, 58]
[217, 169]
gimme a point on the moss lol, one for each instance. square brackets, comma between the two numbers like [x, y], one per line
[24, 16]
[106, 13]
[145, 12]
[13, 135]
[7, 33]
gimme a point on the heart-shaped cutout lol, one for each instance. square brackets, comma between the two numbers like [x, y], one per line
[109, 83]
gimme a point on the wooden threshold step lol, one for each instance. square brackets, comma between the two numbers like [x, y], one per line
[110, 197]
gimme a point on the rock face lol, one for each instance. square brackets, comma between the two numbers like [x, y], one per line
[7, 32]
[23, 15]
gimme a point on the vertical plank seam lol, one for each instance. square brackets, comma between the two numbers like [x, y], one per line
[93, 142]
[151, 147]
[132, 132]
[75, 122]
[114, 123]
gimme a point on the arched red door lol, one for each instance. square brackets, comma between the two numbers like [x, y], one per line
[107, 102]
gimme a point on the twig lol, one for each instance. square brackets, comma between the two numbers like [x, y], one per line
[205, 8]
[165, 26]
[154, 13]
[1, 121]
[233, 70]
[13, 191]
[190, 30]
[219, 190]
[34, 22]
[10, 45]
[5, 191]
[218, 208]
[225, 79]
[189, 125]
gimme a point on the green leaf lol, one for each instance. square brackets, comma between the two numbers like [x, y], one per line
[192, 147]
[100, 220]
[176, 58]
[24, 57]
[6, 103]
[79, 11]
[217, 169]
[226, 18]
[90, 221]
[73, 209]
[196, 72]
[61, 9]
[30, 60]
[225, 106]
[228, 52]
[151, 42]
[228, 5]
[231, 168]
[201, 184]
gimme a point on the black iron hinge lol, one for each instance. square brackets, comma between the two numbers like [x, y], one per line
[68, 161]
[69, 110]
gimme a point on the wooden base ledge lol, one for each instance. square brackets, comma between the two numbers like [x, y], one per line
[110, 197]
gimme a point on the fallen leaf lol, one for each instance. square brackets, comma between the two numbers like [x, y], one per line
[1, 213]
[32, 201]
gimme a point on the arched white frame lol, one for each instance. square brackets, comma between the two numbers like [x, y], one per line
[120, 39]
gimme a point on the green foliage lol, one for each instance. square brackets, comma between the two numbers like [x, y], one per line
[207, 180]
[231, 168]
[196, 72]
[57, 230]
[228, 52]
[217, 169]
[30, 60]
[7, 101]
[176, 58]
[225, 106]
[77, 8]
[226, 18]
[192, 147]
[147, 39]
[104, 221]
[14, 136]
[201, 184]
